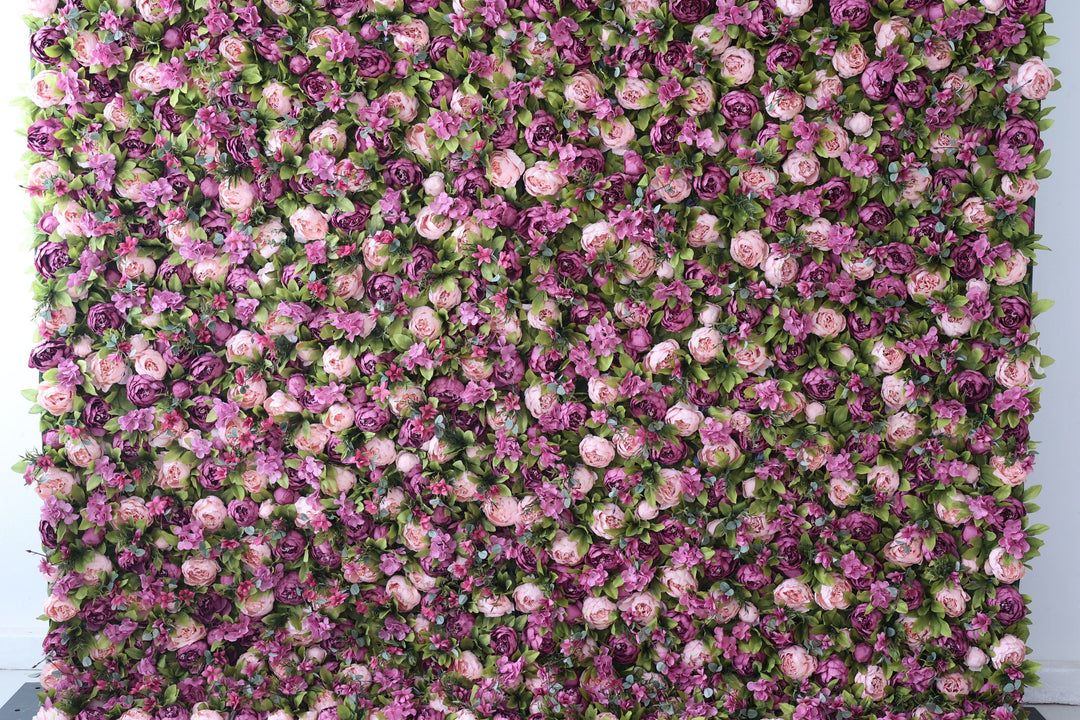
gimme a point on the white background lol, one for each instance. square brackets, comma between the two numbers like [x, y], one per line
[1054, 583]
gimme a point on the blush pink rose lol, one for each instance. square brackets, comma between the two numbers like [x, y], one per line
[599, 613]
[873, 681]
[199, 571]
[641, 608]
[543, 179]
[791, 593]
[796, 663]
[737, 64]
[1009, 650]
[596, 451]
[748, 248]
[1003, 566]
[851, 61]
[309, 223]
[505, 168]
[1033, 79]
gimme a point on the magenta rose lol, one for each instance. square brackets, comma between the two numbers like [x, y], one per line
[739, 108]
[856, 13]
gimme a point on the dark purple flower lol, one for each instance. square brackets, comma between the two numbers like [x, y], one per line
[856, 13]
[739, 108]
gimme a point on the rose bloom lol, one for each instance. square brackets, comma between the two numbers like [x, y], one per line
[337, 363]
[1033, 79]
[504, 168]
[314, 440]
[1019, 189]
[1016, 373]
[53, 482]
[826, 88]
[753, 358]
[564, 550]
[617, 133]
[641, 260]
[236, 194]
[843, 492]
[635, 93]
[784, 104]
[702, 33]
[199, 571]
[607, 520]
[44, 91]
[686, 418]
[748, 248]
[598, 613]
[82, 452]
[704, 344]
[1006, 568]
[132, 266]
[583, 90]
[953, 685]
[835, 596]
[629, 442]
[889, 32]
[704, 231]
[901, 429]
[794, 8]
[502, 511]
[953, 598]
[781, 270]
[1016, 266]
[258, 604]
[791, 593]
[210, 513]
[737, 64]
[413, 537]
[55, 399]
[404, 594]
[896, 391]
[954, 326]
[416, 139]
[827, 323]
[860, 124]
[759, 179]
[796, 663]
[309, 223]
[543, 179]
[596, 451]
[663, 356]
[850, 62]
[671, 185]
[411, 35]
[494, 607]
[924, 282]
[887, 359]
[641, 608]
[817, 233]
[424, 323]
[904, 552]
[873, 681]
[60, 608]
[543, 315]
[405, 104]
[1009, 650]
[975, 213]
[603, 390]
[802, 167]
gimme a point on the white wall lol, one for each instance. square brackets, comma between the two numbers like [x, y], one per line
[1054, 583]
[22, 588]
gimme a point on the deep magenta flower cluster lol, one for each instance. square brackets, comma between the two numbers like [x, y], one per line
[525, 359]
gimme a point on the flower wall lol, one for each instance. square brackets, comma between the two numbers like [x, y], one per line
[536, 358]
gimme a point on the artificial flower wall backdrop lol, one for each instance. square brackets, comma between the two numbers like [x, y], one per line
[536, 358]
